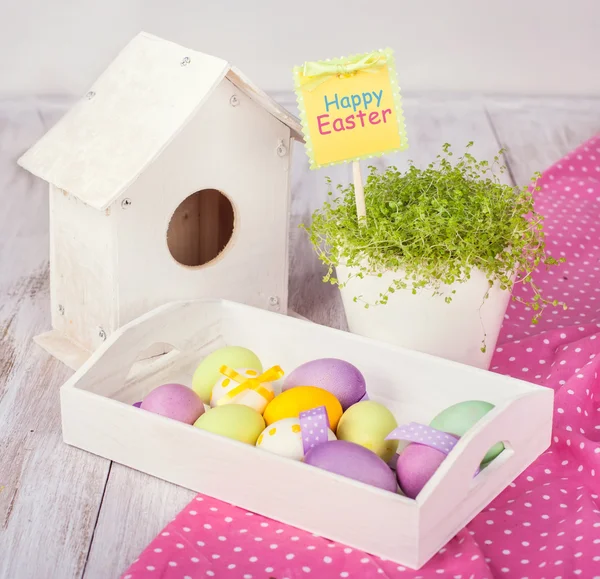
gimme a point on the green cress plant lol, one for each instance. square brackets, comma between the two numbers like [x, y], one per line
[433, 226]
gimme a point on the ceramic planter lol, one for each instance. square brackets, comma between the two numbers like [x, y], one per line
[427, 323]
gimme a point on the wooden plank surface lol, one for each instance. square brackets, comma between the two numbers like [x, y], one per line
[538, 132]
[65, 513]
[50, 493]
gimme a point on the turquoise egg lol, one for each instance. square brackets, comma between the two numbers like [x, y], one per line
[459, 418]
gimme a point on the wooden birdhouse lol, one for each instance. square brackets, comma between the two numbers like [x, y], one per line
[169, 180]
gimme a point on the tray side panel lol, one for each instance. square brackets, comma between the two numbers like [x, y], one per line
[188, 327]
[357, 515]
[414, 386]
[436, 528]
[453, 496]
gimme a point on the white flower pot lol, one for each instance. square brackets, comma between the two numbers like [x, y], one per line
[424, 322]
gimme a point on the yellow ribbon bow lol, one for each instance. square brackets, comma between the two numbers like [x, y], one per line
[315, 73]
[246, 383]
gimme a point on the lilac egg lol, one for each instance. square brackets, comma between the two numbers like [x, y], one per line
[174, 401]
[415, 466]
[353, 461]
[137, 404]
[338, 377]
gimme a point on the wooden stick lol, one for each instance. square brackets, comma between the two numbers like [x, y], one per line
[359, 192]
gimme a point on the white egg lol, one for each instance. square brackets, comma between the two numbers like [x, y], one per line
[285, 438]
[248, 397]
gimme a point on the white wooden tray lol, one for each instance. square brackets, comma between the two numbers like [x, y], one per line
[98, 416]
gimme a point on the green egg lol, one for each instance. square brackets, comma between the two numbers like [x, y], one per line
[368, 423]
[235, 421]
[459, 418]
[207, 372]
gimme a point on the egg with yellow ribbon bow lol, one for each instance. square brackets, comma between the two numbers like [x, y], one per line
[245, 386]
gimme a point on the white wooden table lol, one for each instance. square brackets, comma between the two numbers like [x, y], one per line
[65, 513]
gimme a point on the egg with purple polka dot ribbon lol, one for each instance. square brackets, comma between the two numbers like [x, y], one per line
[284, 438]
[415, 466]
[417, 463]
[256, 399]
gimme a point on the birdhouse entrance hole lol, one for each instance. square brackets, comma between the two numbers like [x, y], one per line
[200, 228]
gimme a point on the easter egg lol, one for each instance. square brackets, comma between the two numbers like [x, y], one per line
[284, 438]
[174, 401]
[207, 373]
[137, 404]
[339, 377]
[368, 423]
[234, 421]
[415, 466]
[353, 461]
[257, 399]
[292, 402]
[459, 418]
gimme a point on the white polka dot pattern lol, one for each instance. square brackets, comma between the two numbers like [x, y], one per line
[314, 425]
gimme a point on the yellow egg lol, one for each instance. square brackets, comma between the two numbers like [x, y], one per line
[207, 373]
[233, 421]
[257, 399]
[368, 423]
[292, 402]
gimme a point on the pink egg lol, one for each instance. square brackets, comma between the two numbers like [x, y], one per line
[353, 461]
[338, 377]
[174, 401]
[415, 466]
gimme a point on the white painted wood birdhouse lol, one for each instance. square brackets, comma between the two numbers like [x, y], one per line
[169, 180]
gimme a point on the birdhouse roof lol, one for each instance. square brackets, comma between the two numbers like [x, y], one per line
[131, 113]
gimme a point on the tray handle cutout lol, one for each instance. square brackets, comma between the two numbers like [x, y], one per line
[188, 326]
[522, 424]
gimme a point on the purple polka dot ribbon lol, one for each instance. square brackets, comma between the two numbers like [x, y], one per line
[425, 435]
[314, 424]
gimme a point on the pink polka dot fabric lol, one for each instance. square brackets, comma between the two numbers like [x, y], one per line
[546, 524]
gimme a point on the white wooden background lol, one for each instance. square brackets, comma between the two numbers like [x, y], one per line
[535, 47]
[68, 514]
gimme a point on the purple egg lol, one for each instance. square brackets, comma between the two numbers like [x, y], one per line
[339, 377]
[174, 401]
[354, 461]
[137, 404]
[415, 466]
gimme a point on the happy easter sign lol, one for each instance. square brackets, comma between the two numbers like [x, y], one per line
[350, 108]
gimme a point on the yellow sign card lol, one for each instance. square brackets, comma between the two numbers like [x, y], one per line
[350, 108]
